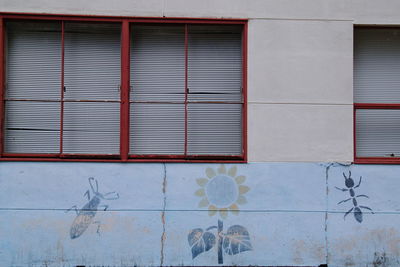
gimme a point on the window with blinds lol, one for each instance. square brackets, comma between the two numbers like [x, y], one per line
[62, 88]
[186, 95]
[76, 89]
[377, 93]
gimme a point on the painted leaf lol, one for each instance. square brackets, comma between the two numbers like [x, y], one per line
[236, 240]
[200, 241]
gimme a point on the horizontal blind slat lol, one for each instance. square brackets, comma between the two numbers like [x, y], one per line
[377, 133]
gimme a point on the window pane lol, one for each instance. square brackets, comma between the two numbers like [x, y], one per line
[215, 129]
[91, 128]
[378, 133]
[32, 127]
[215, 63]
[92, 61]
[376, 66]
[158, 63]
[33, 60]
[157, 129]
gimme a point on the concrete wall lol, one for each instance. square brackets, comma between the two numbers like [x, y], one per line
[300, 121]
[282, 214]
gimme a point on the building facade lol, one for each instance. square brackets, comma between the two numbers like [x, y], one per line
[200, 133]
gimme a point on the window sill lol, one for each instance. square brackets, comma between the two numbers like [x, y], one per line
[377, 160]
[202, 159]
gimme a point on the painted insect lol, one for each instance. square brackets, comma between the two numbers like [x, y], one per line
[349, 182]
[88, 212]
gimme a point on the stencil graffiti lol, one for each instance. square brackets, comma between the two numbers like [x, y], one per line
[234, 241]
[86, 215]
[221, 192]
[356, 209]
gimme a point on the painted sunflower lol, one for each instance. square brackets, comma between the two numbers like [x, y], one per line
[222, 191]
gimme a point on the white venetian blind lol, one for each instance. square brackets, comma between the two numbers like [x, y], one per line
[33, 88]
[377, 80]
[157, 111]
[378, 133]
[92, 88]
[214, 118]
[377, 65]
[215, 90]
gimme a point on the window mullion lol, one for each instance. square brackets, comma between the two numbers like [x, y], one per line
[186, 88]
[244, 92]
[2, 82]
[62, 86]
[125, 88]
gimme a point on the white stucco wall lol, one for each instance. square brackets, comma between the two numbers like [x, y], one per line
[299, 64]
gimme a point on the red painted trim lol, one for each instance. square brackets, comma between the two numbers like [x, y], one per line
[65, 100]
[2, 83]
[29, 155]
[377, 160]
[187, 21]
[62, 86]
[374, 26]
[125, 89]
[377, 106]
[44, 16]
[159, 156]
[354, 133]
[189, 102]
[119, 161]
[186, 88]
[244, 81]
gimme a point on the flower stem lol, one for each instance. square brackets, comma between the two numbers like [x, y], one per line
[220, 229]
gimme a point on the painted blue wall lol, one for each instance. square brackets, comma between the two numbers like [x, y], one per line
[158, 214]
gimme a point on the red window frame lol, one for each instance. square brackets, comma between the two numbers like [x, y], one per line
[358, 106]
[125, 89]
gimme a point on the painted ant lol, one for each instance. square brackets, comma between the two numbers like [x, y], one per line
[349, 182]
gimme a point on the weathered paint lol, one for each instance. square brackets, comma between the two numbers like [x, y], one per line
[290, 215]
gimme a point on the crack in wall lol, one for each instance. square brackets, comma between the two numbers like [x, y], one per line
[163, 236]
[327, 167]
[163, 9]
